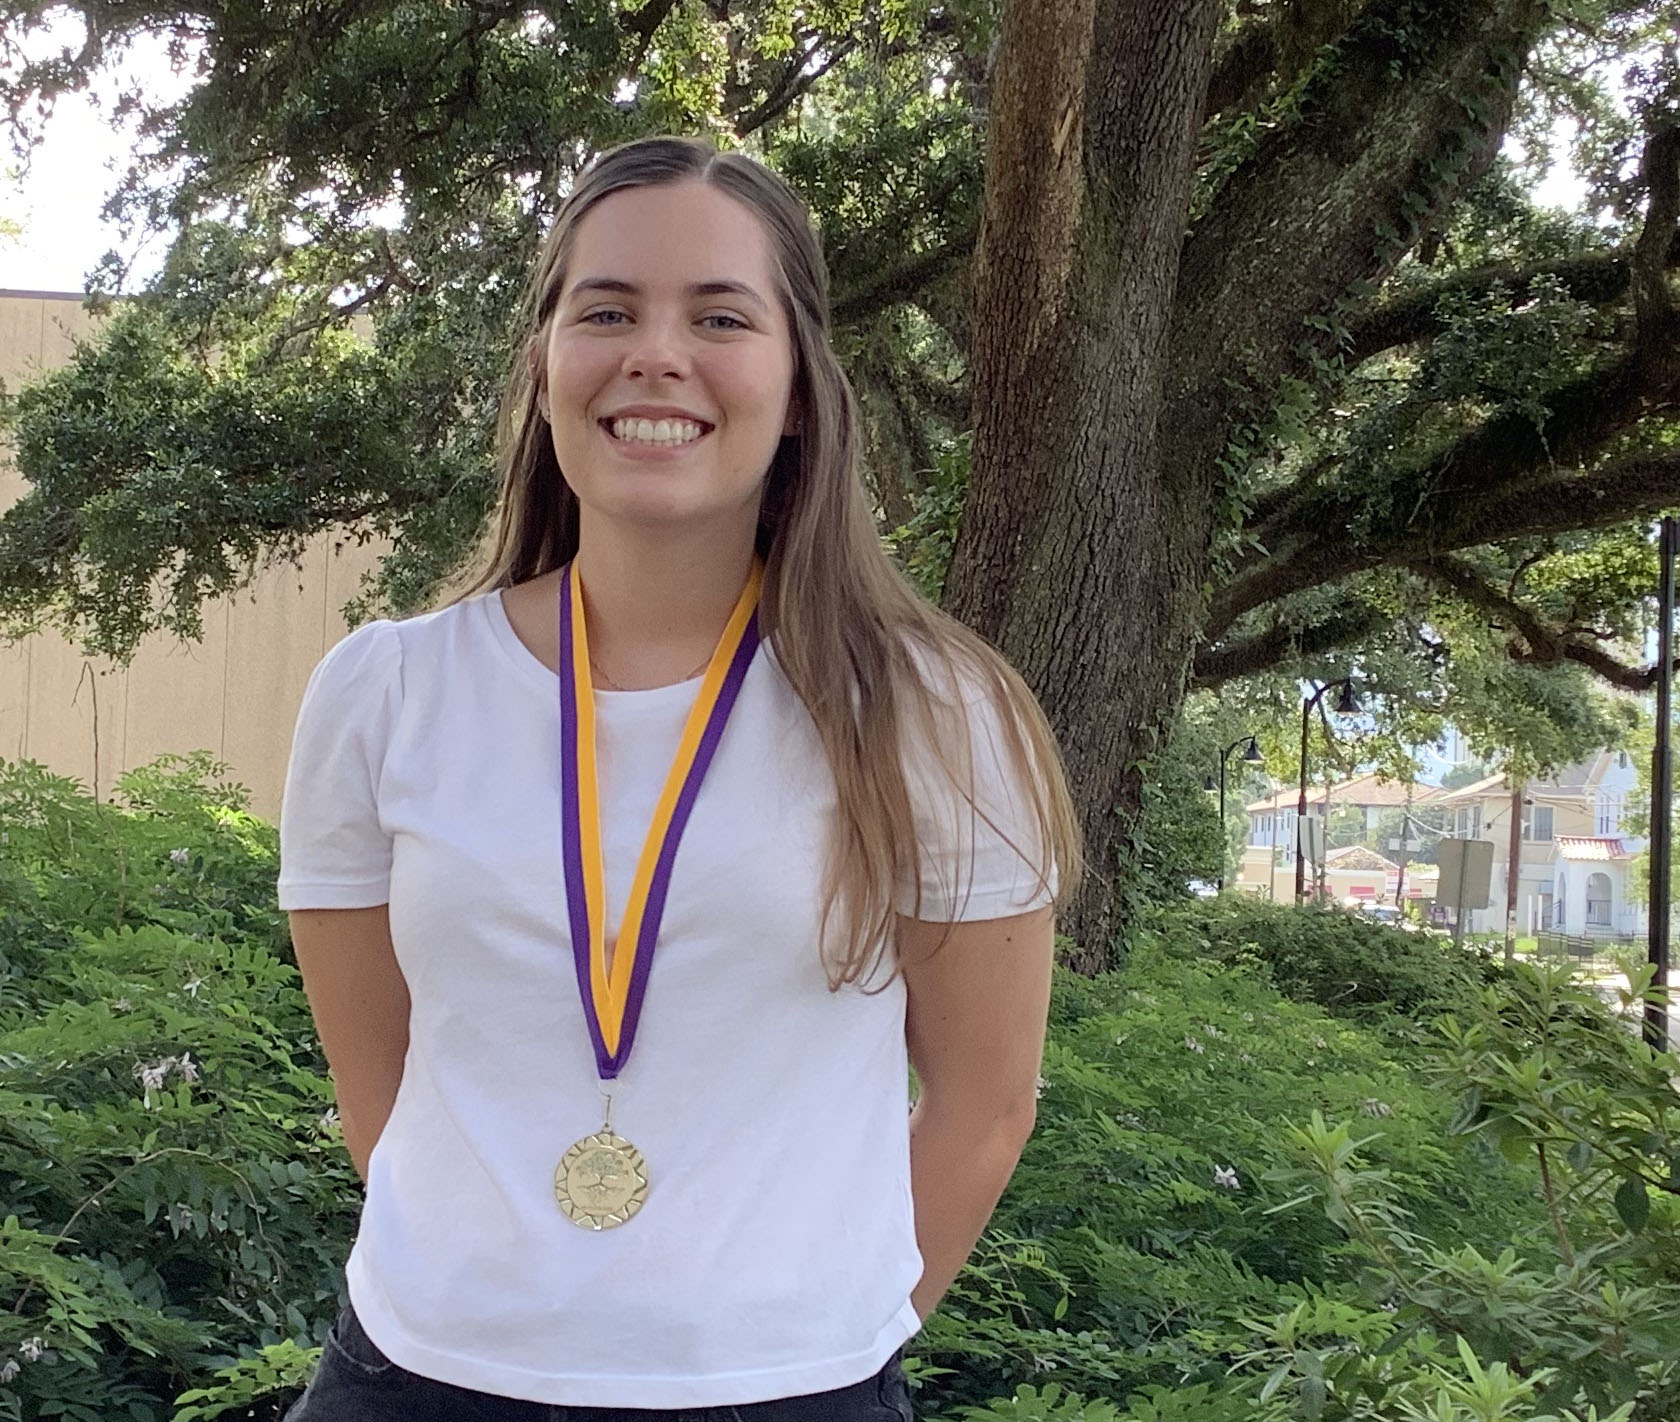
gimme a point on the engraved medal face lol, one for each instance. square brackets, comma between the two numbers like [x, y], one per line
[601, 1181]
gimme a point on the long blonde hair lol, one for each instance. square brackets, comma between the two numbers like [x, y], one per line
[876, 666]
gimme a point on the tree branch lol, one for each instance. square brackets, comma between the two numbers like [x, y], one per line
[1545, 646]
[794, 82]
[1556, 503]
[1507, 469]
[1272, 48]
[1659, 168]
[1509, 476]
[1597, 279]
[887, 286]
[1214, 666]
[1241, 68]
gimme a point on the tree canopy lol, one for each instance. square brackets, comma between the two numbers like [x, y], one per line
[1206, 348]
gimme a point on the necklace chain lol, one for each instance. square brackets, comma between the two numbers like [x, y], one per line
[612, 685]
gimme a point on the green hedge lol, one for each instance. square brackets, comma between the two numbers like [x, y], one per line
[1287, 1164]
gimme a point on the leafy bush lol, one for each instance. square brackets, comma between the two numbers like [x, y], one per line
[1346, 964]
[1136, 1227]
[174, 1183]
[1263, 1185]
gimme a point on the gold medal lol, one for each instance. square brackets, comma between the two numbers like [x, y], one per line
[601, 1181]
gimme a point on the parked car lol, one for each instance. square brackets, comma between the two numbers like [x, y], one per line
[1383, 913]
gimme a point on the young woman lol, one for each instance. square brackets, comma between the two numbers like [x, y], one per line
[633, 1121]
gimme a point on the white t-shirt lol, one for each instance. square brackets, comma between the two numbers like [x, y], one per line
[776, 1251]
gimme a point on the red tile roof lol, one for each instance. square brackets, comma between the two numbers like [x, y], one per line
[1575, 847]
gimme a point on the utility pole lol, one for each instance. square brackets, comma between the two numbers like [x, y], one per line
[1662, 789]
[1511, 873]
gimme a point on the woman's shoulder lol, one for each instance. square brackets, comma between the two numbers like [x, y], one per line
[375, 652]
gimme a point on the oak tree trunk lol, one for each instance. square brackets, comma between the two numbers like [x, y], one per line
[1087, 195]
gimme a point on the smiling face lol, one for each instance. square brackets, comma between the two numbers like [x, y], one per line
[667, 372]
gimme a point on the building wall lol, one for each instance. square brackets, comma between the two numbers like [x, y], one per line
[235, 693]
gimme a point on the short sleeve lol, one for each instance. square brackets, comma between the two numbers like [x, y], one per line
[979, 859]
[334, 851]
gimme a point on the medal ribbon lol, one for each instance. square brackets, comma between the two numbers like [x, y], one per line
[613, 1006]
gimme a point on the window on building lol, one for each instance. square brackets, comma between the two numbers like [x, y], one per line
[1467, 822]
[1537, 823]
[1622, 760]
[1559, 920]
[1598, 901]
[1609, 816]
[1261, 835]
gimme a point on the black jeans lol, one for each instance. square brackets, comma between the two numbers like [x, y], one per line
[358, 1383]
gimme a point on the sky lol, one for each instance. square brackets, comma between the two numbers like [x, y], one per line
[84, 155]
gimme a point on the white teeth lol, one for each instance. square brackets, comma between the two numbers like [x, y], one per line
[670, 432]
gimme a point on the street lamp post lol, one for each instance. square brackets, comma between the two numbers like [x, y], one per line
[1252, 755]
[1345, 706]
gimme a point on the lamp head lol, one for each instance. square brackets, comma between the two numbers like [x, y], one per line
[1348, 705]
[1208, 783]
[1251, 753]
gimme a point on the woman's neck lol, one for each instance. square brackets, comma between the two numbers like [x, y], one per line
[657, 603]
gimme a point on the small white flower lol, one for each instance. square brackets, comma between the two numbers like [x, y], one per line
[187, 1067]
[1248, 1017]
[8, 1370]
[1225, 1177]
[191, 988]
[1194, 1045]
[122, 1004]
[1245, 1058]
[330, 1119]
[1320, 1043]
[1211, 1030]
[1374, 1107]
[181, 1217]
[151, 1074]
[177, 856]
[30, 1349]
[1039, 1086]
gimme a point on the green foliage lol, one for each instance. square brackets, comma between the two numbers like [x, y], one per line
[176, 1186]
[178, 848]
[1238, 1205]
[922, 544]
[1178, 837]
[1345, 963]
[1134, 1239]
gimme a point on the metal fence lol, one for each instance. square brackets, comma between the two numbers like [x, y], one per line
[1584, 951]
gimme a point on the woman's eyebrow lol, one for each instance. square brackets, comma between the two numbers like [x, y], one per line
[699, 288]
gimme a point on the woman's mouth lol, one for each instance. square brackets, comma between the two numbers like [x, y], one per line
[657, 434]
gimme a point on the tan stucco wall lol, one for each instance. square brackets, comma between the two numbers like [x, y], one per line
[235, 693]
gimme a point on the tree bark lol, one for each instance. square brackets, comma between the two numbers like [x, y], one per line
[1116, 363]
[1087, 195]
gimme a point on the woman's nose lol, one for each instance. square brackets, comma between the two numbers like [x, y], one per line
[657, 348]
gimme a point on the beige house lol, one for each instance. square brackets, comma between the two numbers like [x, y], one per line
[1267, 866]
[235, 693]
[1572, 870]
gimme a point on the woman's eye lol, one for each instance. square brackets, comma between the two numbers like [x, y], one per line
[591, 317]
[721, 316]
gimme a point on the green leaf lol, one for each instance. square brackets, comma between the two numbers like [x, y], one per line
[1633, 1204]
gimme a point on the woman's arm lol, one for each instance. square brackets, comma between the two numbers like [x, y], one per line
[975, 1026]
[360, 1001]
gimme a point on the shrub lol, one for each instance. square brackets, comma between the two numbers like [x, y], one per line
[1136, 1227]
[1344, 963]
